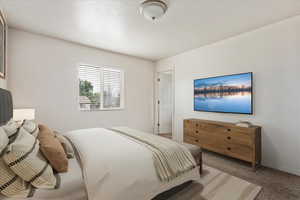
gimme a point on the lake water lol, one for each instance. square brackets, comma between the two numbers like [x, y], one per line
[238, 103]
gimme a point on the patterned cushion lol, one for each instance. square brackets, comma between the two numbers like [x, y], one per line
[12, 185]
[3, 140]
[11, 129]
[23, 158]
[31, 127]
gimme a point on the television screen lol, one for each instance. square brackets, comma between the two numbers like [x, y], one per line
[226, 94]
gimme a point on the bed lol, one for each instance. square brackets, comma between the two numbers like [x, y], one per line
[123, 169]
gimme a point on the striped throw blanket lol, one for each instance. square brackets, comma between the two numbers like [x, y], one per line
[171, 159]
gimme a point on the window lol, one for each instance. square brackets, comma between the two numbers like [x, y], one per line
[100, 88]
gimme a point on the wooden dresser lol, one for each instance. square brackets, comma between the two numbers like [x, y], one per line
[225, 138]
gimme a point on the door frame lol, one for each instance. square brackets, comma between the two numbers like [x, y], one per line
[156, 99]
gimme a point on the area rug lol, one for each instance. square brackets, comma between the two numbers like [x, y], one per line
[213, 185]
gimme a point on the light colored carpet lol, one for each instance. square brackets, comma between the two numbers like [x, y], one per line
[277, 185]
[213, 185]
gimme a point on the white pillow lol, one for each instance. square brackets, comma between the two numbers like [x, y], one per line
[11, 129]
[3, 140]
[31, 127]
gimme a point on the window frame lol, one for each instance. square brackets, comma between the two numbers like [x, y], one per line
[122, 88]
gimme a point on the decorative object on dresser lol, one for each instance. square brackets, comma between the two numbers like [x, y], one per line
[244, 124]
[243, 143]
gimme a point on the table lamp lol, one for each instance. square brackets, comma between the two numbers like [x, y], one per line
[21, 114]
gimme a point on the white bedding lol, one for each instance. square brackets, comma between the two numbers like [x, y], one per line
[117, 168]
[114, 168]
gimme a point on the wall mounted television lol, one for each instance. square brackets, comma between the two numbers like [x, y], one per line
[224, 94]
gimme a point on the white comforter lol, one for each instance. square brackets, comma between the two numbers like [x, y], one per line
[117, 168]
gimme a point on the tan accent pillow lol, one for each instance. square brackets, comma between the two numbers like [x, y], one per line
[52, 149]
[66, 145]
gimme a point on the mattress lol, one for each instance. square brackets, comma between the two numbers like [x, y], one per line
[72, 186]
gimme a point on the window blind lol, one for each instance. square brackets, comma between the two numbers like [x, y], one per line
[100, 88]
[111, 88]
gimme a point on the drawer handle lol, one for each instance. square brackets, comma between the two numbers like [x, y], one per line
[228, 148]
[197, 124]
[197, 131]
[196, 140]
[229, 129]
[229, 138]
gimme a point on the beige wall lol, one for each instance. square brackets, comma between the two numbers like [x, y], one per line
[272, 53]
[43, 75]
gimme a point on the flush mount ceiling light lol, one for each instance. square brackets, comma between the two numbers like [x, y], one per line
[153, 9]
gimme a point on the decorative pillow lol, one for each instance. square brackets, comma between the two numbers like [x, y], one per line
[24, 159]
[31, 127]
[66, 145]
[3, 140]
[52, 149]
[12, 185]
[11, 129]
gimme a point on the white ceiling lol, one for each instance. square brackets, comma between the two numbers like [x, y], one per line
[116, 25]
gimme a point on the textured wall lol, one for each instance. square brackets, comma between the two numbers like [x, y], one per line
[43, 74]
[272, 54]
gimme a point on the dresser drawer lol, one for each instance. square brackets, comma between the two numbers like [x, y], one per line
[231, 137]
[239, 139]
[191, 140]
[215, 127]
[204, 136]
[188, 125]
[207, 144]
[210, 143]
[239, 151]
[195, 132]
[236, 151]
[242, 152]
[206, 127]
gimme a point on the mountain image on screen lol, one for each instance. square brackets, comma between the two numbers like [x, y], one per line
[227, 94]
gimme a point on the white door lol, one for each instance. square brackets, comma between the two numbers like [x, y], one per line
[165, 104]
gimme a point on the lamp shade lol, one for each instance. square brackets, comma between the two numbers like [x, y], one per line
[21, 114]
